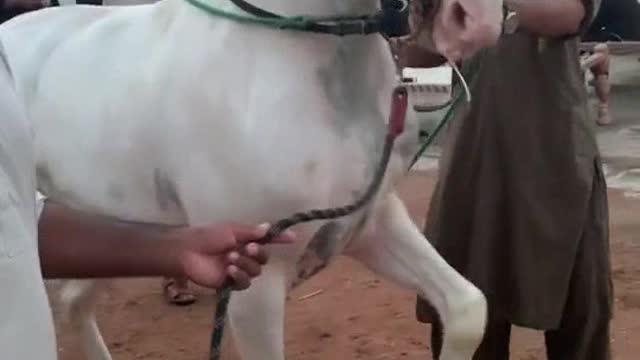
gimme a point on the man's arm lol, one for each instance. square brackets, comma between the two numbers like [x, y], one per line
[76, 245]
[553, 18]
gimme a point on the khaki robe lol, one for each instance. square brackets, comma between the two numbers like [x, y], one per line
[512, 201]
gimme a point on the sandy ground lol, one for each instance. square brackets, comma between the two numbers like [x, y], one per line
[357, 316]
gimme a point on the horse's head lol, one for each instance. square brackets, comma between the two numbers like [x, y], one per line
[456, 28]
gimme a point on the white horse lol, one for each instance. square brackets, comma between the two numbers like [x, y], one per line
[165, 113]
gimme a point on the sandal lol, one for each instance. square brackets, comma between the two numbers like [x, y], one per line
[177, 292]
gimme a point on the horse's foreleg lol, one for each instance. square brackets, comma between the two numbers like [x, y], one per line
[394, 247]
[256, 316]
[80, 297]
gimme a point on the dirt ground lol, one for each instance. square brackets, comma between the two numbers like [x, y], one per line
[357, 316]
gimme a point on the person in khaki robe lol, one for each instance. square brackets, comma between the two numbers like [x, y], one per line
[520, 207]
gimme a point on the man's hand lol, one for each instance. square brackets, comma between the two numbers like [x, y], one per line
[210, 254]
[76, 245]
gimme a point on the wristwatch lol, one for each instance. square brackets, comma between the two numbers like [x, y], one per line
[510, 21]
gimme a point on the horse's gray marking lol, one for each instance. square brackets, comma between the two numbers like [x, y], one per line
[344, 85]
[310, 167]
[328, 242]
[45, 179]
[115, 192]
[166, 194]
[46, 185]
[338, 90]
[318, 254]
[5, 62]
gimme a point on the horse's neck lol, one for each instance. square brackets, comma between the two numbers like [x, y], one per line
[355, 73]
[313, 7]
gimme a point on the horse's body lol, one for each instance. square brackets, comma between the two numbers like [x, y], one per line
[161, 113]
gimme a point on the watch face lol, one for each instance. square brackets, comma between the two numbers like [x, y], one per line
[511, 22]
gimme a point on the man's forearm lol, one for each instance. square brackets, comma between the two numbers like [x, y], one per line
[76, 245]
[553, 18]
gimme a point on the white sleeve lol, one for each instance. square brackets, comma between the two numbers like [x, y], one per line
[40, 199]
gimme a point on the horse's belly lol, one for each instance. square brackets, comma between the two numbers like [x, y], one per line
[148, 176]
[117, 143]
[123, 192]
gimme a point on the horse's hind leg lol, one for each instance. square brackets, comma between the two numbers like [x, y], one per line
[80, 296]
[394, 247]
[256, 316]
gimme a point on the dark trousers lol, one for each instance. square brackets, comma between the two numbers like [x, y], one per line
[573, 340]
[583, 333]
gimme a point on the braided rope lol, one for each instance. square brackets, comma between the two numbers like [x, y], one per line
[224, 296]
[470, 69]
[293, 23]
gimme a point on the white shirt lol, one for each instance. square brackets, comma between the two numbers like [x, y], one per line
[26, 324]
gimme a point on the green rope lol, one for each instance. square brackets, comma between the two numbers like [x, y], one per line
[431, 138]
[295, 23]
[471, 69]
